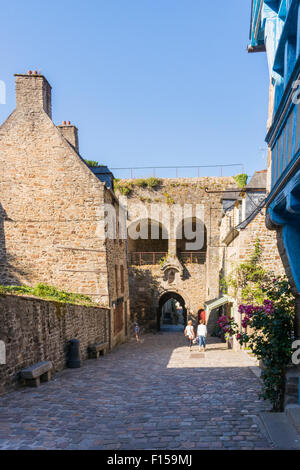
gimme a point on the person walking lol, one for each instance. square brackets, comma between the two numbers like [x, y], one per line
[137, 333]
[201, 335]
[189, 332]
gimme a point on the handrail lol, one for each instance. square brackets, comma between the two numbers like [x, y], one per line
[179, 167]
[140, 258]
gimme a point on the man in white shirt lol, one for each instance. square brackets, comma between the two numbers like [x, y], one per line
[201, 334]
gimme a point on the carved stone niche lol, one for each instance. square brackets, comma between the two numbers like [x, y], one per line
[170, 268]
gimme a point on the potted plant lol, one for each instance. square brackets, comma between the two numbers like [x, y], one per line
[229, 327]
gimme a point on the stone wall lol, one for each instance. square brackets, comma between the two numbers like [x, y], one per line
[52, 206]
[148, 284]
[241, 248]
[116, 266]
[35, 330]
[199, 281]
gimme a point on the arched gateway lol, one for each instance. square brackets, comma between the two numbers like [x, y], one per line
[182, 256]
[162, 301]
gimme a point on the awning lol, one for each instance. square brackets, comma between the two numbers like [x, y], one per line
[212, 304]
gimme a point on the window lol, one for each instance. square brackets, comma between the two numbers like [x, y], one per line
[116, 278]
[118, 318]
[122, 278]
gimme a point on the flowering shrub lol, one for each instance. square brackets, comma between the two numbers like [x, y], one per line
[228, 326]
[269, 334]
[268, 309]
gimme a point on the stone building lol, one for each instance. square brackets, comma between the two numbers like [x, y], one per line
[170, 264]
[243, 223]
[52, 209]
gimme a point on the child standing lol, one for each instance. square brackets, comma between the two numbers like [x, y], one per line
[201, 334]
[189, 332]
[137, 332]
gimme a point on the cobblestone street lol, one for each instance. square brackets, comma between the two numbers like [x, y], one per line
[150, 395]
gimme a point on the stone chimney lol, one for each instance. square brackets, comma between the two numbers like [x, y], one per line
[33, 93]
[70, 133]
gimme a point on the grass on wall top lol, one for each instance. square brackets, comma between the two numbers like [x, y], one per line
[46, 292]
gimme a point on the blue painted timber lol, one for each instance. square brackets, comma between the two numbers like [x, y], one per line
[277, 24]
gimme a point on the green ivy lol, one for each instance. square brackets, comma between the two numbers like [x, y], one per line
[241, 180]
[248, 277]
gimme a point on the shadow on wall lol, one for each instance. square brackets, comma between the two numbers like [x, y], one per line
[10, 273]
[144, 294]
[212, 320]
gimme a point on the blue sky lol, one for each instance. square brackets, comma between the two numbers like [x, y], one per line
[147, 82]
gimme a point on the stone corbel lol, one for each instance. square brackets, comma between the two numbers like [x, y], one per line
[172, 262]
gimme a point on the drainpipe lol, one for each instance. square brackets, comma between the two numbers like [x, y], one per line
[109, 329]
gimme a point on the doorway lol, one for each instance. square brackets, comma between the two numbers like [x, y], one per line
[172, 312]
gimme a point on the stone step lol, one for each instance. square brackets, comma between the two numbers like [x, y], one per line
[292, 386]
[293, 414]
[197, 355]
[280, 430]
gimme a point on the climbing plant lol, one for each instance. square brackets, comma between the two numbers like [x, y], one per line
[241, 180]
[247, 278]
[267, 330]
[267, 309]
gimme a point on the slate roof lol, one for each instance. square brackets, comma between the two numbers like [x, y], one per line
[103, 174]
[258, 180]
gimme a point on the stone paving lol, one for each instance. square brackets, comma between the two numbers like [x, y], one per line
[150, 395]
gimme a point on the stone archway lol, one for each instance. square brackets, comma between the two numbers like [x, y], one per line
[148, 241]
[164, 298]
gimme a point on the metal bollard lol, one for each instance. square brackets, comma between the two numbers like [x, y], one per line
[73, 361]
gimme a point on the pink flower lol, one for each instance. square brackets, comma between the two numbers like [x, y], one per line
[268, 307]
[245, 322]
